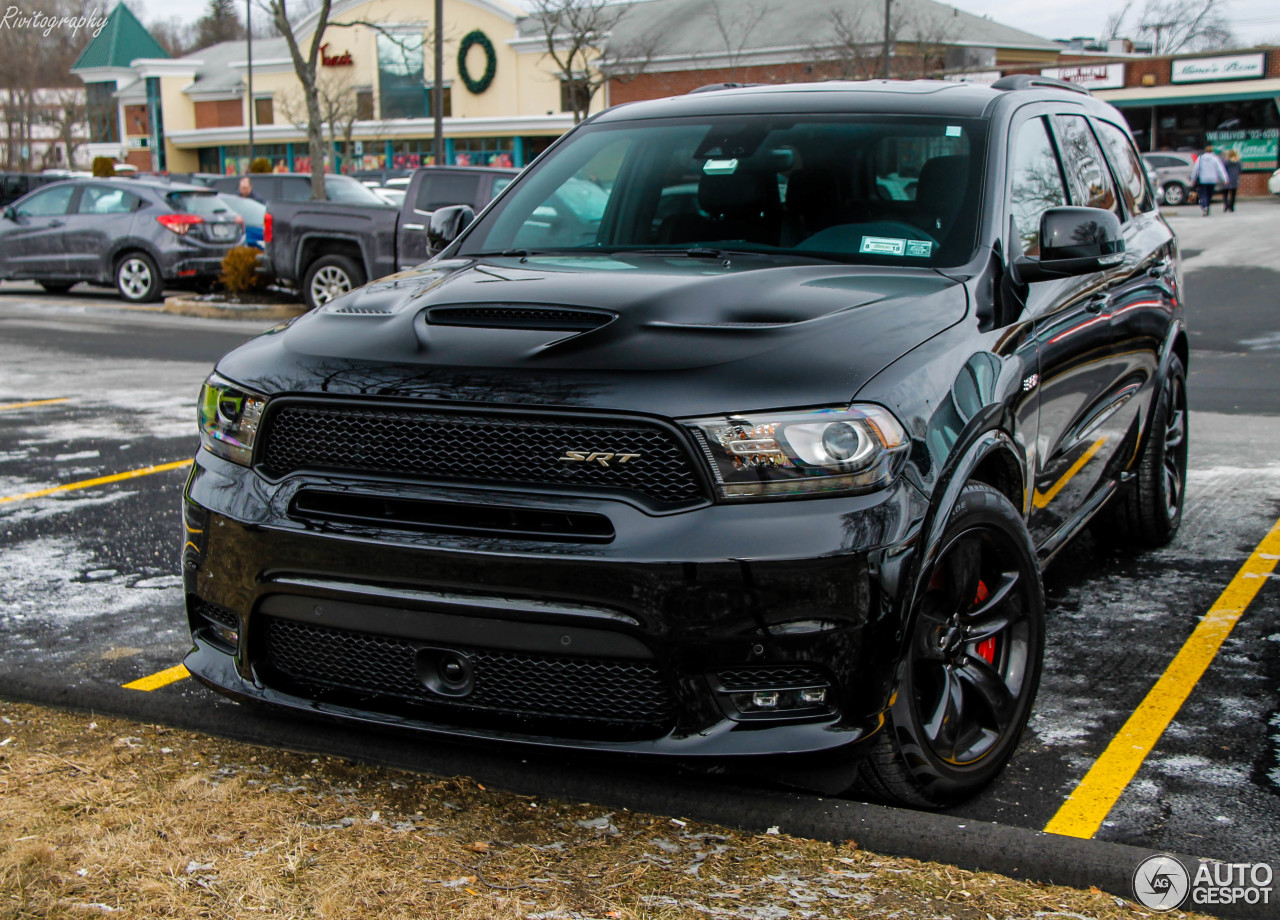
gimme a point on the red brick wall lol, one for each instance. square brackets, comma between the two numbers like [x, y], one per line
[679, 82]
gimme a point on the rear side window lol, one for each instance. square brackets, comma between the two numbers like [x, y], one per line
[1085, 165]
[48, 203]
[99, 199]
[1162, 162]
[1035, 183]
[202, 204]
[441, 191]
[1127, 166]
[295, 189]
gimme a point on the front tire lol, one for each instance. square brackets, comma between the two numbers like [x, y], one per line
[329, 277]
[971, 664]
[138, 279]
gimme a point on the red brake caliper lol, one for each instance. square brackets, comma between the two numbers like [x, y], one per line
[987, 647]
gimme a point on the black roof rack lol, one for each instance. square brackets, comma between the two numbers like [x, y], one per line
[712, 87]
[1032, 81]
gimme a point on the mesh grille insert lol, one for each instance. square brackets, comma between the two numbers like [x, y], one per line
[596, 690]
[778, 677]
[479, 448]
[215, 613]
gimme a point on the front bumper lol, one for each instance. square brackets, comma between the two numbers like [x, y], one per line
[810, 587]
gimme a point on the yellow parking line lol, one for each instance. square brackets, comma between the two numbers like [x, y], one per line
[34, 402]
[100, 481]
[1042, 499]
[159, 679]
[1084, 810]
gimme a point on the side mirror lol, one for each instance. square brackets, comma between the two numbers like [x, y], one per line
[447, 225]
[1073, 241]
[10, 213]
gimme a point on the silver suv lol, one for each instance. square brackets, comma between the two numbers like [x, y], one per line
[1173, 173]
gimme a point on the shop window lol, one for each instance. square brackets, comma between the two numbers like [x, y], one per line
[104, 123]
[400, 75]
[264, 111]
[364, 104]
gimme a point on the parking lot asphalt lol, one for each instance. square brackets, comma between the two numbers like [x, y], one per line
[90, 597]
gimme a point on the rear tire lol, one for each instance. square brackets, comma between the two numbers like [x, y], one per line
[971, 664]
[138, 279]
[1148, 510]
[329, 277]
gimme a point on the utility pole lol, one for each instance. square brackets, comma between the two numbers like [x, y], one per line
[887, 4]
[1158, 27]
[437, 90]
[248, 33]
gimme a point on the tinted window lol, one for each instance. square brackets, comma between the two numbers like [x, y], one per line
[346, 190]
[202, 204]
[1035, 183]
[444, 189]
[253, 212]
[1161, 162]
[48, 203]
[101, 199]
[1127, 166]
[1085, 165]
[294, 188]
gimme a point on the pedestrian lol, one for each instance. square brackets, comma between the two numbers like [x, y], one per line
[246, 189]
[1208, 172]
[1234, 168]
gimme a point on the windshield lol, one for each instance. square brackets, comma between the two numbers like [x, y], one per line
[346, 190]
[252, 211]
[876, 189]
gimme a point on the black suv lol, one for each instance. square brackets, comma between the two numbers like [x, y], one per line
[758, 453]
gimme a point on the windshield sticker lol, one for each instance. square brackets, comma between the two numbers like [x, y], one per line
[720, 167]
[921, 248]
[883, 246]
[953, 130]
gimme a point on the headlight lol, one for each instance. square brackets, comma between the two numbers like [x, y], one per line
[229, 419]
[781, 454]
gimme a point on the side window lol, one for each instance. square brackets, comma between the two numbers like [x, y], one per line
[99, 199]
[1127, 166]
[48, 204]
[294, 188]
[1035, 183]
[1085, 165]
[571, 216]
[443, 190]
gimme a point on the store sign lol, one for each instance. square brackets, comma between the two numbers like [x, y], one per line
[1257, 147]
[1089, 76]
[1235, 67]
[335, 60]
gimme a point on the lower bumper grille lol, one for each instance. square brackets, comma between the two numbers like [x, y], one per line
[591, 691]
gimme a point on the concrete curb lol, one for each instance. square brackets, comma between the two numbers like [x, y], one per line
[188, 306]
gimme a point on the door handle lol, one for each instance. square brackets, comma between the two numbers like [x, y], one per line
[1098, 302]
[412, 227]
[55, 223]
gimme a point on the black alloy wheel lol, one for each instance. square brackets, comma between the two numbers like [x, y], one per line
[1148, 510]
[971, 664]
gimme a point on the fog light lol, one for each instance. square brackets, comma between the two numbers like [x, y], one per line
[813, 697]
[226, 636]
[778, 692]
[764, 699]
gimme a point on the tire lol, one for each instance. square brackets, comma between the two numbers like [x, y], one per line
[1148, 510]
[1175, 193]
[970, 667]
[329, 277]
[138, 279]
[56, 287]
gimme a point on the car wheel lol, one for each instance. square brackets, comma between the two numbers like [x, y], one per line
[971, 664]
[330, 277]
[1148, 510]
[56, 287]
[1174, 193]
[138, 278]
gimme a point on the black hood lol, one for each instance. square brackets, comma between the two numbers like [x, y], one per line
[671, 336]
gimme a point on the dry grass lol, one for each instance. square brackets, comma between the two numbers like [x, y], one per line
[100, 816]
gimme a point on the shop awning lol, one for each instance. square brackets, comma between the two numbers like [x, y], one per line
[1191, 93]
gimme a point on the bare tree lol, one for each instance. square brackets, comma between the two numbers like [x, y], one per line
[921, 41]
[67, 114]
[857, 51]
[1173, 25]
[339, 109]
[735, 24]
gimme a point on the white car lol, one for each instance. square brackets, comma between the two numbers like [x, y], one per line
[1273, 184]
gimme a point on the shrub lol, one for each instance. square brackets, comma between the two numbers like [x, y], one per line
[240, 270]
[103, 167]
[260, 165]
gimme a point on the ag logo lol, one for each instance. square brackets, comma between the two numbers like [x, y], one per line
[1161, 883]
[597, 456]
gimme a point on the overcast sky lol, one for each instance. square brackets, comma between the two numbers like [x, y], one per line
[1253, 21]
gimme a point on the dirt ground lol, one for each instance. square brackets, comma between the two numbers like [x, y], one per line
[99, 816]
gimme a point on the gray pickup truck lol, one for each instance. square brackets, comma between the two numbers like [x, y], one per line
[327, 248]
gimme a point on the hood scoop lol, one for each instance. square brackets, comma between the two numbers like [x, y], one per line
[544, 317]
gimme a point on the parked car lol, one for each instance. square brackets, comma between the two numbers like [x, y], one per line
[1273, 184]
[380, 177]
[1173, 175]
[392, 196]
[329, 249]
[272, 187]
[14, 185]
[254, 214]
[772, 477]
[136, 234]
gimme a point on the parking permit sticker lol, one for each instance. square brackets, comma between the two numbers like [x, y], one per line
[920, 248]
[953, 130]
[883, 246]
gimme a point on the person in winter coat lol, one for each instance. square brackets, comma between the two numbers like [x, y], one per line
[1208, 172]
[1234, 168]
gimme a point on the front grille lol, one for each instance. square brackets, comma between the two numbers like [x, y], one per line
[552, 319]
[592, 690]
[479, 448]
[777, 677]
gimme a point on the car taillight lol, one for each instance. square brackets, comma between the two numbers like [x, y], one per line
[266, 228]
[180, 223]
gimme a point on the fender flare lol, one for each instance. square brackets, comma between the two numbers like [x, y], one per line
[129, 244]
[301, 268]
